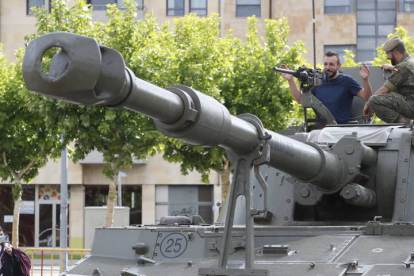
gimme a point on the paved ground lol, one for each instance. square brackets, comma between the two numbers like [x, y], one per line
[47, 269]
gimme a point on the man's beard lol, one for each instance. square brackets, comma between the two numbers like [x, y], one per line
[393, 61]
[333, 73]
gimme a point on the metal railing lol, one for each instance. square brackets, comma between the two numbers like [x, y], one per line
[31, 253]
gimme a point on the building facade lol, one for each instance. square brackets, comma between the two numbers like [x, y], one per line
[155, 188]
[151, 188]
[357, 25]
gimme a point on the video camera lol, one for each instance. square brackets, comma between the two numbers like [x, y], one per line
[307, 77]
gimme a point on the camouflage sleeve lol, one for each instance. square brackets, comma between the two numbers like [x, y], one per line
[397, 78]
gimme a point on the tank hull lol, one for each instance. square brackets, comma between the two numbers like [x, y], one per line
[295, 250]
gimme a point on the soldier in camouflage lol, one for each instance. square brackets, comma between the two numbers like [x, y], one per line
[394, 101]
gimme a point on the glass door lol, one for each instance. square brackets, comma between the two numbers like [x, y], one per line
[49, 225]
[46, 229]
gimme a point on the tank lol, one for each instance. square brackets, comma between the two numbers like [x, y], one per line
[332, 201]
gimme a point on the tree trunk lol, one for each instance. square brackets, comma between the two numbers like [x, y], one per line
[225, 184]
[110, 202]
[225, 178]
[17, 192]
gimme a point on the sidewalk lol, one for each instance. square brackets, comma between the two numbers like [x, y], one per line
[47, 269]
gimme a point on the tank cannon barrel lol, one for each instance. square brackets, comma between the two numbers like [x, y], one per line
[86, 73]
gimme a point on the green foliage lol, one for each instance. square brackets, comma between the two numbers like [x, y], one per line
[349, 59]
[26, 141]
[17, 191]
[76, 18]
[190, 52]
[238, 75]
[254, 87]
[121, 135]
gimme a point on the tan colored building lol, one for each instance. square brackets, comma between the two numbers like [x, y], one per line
[358, 25]
[154, 188]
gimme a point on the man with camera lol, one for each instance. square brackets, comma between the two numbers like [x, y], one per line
[336, 94]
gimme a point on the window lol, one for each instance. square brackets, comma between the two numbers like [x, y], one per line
[245, 8]
[340, 49]
[339, 6]
[198, 7]
[140, 3]
[32, 4]
[375, 20]
[96, 195]
[175, 7]
[99, 5]
[407, 5]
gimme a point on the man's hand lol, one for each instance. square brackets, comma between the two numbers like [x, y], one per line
[364, 71]
[387, 66]
[8, 249]
[367, 111]
[287, 77]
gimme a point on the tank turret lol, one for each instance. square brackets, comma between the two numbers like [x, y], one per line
[312, 203]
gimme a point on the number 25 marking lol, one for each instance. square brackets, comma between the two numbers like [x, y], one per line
[173, 245]
[170, 243]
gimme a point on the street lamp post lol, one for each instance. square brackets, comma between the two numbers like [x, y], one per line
[120, 175]
[64, 206]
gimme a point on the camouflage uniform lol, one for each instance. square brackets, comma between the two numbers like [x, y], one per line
[401, 98]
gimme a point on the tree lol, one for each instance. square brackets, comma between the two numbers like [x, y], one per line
[350, 59]
[190, 52]
[121, 135]
[26, 140]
